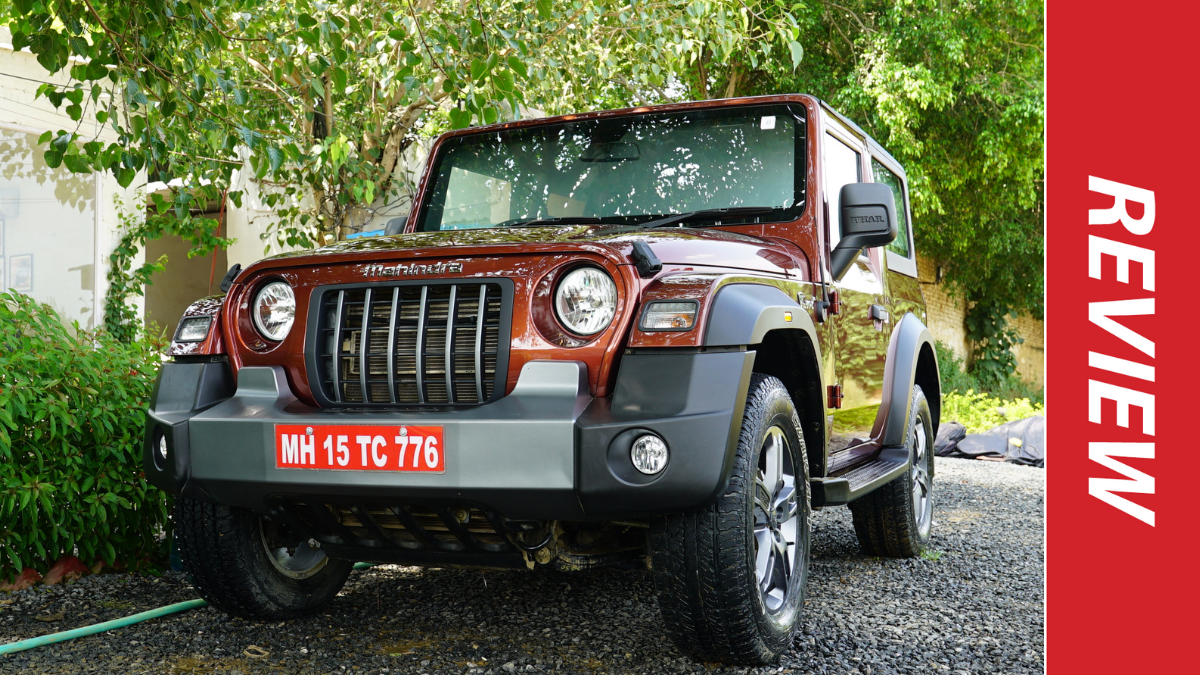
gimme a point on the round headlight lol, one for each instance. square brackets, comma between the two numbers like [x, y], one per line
[586, 300]
[274, 310]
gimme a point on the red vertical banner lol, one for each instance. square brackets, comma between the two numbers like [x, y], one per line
[1123, 354]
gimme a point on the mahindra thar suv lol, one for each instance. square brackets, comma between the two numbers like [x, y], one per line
[654, 338]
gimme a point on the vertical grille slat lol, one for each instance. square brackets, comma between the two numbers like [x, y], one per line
[479, 322]
[451, 310]
[410, 343]
[337, 347]
[364, 349]
[391, 356]
[420, 370]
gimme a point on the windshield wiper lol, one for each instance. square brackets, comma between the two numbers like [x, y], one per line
[537, 222]
[733, 212]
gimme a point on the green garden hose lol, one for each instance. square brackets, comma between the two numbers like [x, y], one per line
[115, 623]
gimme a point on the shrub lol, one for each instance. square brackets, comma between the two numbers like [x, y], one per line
[71, 424]
[979, 412]
[953, 371]
[956, 378]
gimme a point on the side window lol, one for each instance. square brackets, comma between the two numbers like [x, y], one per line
[884, 175]
[842, 166]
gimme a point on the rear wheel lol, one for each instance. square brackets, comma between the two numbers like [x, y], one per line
[247, 566]
[730, 577]
[896, 520]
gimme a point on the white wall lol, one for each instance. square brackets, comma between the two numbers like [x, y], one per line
[65, 224]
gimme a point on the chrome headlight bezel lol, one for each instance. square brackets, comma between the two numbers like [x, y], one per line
[280, 292]
[594, 287]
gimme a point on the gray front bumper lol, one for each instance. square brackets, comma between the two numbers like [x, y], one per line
[548, 450]
[521, 445]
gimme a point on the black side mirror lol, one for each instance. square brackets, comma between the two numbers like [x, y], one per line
[868, 219]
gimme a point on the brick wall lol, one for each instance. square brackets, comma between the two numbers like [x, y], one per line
[946, 314]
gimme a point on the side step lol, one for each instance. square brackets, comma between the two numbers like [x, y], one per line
[837, 490]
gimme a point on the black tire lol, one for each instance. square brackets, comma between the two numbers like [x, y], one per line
[225, 551]
[893, 521]
[706, 564]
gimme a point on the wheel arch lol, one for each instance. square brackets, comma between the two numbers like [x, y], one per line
[911, 360]
[766, 320]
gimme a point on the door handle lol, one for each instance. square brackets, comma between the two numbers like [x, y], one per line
[878, 313]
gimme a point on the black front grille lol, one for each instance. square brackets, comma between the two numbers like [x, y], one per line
[412, 343]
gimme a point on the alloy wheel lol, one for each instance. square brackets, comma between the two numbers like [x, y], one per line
[922, 482]
[776, 520]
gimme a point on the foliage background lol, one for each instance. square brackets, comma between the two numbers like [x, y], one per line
[72, 415]
[321, 98]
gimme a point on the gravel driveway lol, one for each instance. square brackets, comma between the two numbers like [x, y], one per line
[972, 605]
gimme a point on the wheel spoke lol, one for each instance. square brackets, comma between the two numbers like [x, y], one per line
[772, 460]
[786, 493]
[790, 510]
[762, 556]
[766, 563]
[782, 570]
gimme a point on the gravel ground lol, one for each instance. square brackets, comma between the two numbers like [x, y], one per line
[974, 604]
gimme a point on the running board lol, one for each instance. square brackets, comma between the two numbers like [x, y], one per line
[862, 479]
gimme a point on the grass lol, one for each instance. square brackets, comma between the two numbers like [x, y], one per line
[932, 555]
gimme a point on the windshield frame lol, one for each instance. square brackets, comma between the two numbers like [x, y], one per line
[436, 180]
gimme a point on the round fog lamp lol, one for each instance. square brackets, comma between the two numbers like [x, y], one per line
[160, 452]
[649, 454]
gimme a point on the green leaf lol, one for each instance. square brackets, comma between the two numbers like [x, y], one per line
[797, 53]
[518, 66]
[306, 21]
[134, 92]
[276, 157]
[545, 8]
[459, 119]
[503, 80]
[125, 176]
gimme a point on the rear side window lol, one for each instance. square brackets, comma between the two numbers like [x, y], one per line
[884, 175]
[842, 167]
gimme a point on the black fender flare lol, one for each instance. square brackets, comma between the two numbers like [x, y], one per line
[909, 338]
[743, 313]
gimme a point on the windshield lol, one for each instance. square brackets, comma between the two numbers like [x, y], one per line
[623, 170]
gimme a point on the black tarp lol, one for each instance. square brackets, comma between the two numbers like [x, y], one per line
[1020, 442]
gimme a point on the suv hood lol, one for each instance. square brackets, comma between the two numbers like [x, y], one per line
[675, 246]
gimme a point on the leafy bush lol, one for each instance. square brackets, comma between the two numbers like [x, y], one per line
[953, 371]
[71, 423]
[955, 378]
[979, 412]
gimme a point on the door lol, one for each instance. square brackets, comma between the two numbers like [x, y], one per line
[860, 325]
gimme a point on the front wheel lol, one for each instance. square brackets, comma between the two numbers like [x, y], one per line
[730, 577]
[247, 566]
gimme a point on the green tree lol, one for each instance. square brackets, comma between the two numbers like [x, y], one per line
[955, 90]
[321, 98]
